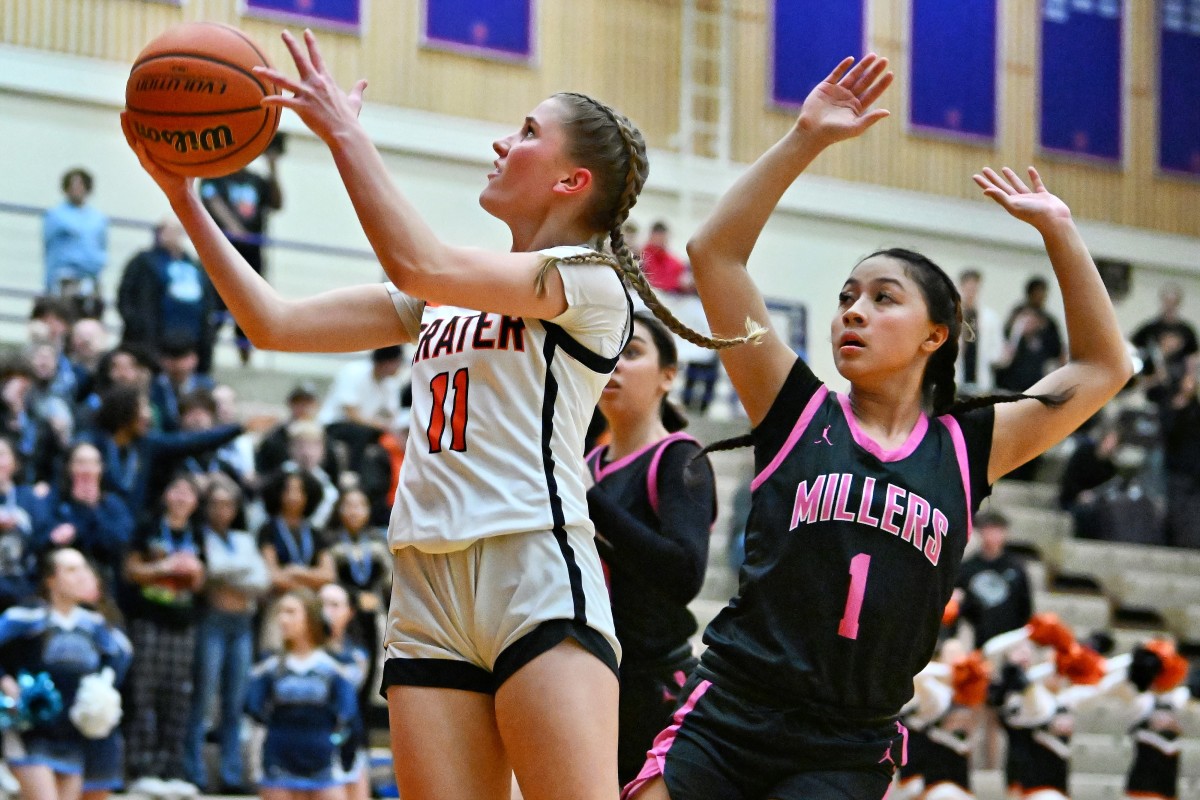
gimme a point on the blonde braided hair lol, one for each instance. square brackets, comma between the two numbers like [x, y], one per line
[591, 124]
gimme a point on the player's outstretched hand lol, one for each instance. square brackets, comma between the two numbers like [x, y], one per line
[1035, 205]
[172, 184]
[315, 97]
[840, 106]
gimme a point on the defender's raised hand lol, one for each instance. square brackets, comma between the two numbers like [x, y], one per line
[315, 98]
[839, 107]
[1035, 205]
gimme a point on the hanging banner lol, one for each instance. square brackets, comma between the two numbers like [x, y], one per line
[501, 29]
[1081, 108]
[808, 39]
[344, 16]
[1179, 88]
[953, 90]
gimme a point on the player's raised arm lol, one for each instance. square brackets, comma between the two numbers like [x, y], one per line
[1098, 364]
[314, 324]
[412, 255]
[838, 108]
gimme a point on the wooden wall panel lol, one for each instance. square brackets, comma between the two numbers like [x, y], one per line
[627, 52]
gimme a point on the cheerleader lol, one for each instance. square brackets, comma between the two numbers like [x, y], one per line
[350, 766]
[363, 565]
[59, 662]
[306, 704]
[1158, 673]
[1041, 712]
[104, 758]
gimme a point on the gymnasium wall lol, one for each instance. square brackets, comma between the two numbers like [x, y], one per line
[628, 52]
[58, 109]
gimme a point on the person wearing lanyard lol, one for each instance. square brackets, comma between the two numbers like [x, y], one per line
[364, 569]
[237, 578]
[296, 555]
[164, 565]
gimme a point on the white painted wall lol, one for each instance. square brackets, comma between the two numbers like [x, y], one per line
[57, 112]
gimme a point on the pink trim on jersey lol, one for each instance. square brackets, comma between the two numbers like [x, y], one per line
[656, 759]
[964, 466]
[652, 476]
[871, 446]
[806, 416]
[903, 743]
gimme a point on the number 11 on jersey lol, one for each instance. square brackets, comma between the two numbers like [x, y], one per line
[860, 565]
[438, 387]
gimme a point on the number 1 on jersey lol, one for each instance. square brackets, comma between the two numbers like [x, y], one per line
[438, 387]
[860, 565]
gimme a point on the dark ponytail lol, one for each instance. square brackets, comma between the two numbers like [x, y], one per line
[939, 389]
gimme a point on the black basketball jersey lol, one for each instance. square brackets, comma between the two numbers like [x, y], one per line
[1155, 767]
[655, 566]
[851, 554]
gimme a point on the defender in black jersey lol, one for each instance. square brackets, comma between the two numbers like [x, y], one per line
[862, 504]
[653, 505]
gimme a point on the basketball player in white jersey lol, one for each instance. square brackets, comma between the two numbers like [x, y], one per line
[501, 657]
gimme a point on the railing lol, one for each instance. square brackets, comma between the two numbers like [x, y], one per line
[312, 267]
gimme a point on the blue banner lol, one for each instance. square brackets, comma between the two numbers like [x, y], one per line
[809, 38]
[954, 68]
[1081, 110]
[338, 15]
[490, 28]
[1179, 88]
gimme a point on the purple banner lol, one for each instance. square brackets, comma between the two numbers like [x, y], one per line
[1081, 109]
[809, 38]
[1179, 88]
[954, 69]
[339, 15]
[500, 29]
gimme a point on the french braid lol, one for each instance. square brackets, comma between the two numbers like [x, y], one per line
[616, 201]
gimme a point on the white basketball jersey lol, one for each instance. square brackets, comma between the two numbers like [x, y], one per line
[500, 408]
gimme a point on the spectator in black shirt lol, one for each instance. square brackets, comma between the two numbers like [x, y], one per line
[993, 589]
[1091, 464]
[1169, 343]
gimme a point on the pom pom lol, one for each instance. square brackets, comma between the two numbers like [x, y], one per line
[1080, 664]
[1047, 630]
[40, 701]
[97, 707]
[1174, 667]
[971, 678]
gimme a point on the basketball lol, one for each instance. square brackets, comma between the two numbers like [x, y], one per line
[193, 100]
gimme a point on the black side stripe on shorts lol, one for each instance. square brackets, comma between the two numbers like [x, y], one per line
[560, 533]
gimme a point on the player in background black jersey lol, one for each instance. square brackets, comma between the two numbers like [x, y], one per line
[653, 514]
[862, 502]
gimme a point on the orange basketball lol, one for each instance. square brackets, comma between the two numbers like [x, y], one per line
[194, 101]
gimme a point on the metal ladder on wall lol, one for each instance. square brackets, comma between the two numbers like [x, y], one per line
[706, 91]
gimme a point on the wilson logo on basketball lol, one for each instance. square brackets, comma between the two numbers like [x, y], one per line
[163, 83]
[209, 139]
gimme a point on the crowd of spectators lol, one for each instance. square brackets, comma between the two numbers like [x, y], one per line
[122, 445]
[119, 443]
